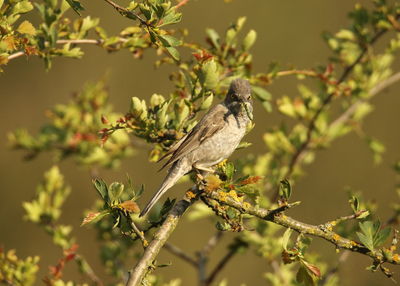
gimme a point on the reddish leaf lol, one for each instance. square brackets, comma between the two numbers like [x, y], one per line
[313, 269]
[129, 206]
[92, 217]
[251, 180]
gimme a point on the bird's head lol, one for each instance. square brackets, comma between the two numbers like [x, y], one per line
[239, 94]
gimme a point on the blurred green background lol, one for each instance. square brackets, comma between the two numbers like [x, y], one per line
[288, 32]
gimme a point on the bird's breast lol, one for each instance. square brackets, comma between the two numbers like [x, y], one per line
[222, 144]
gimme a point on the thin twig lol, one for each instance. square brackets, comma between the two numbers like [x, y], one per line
[6, 281]
[202, 257]
[72, 42]
[180, 4]
[221, 264]
[88, 270]
[126, 13]
[312, 124]
[180, 253]
[140, 234]
[145, 263]
[15, 55]
[374, 91]
[212, 243]
[342, 258]
[224, 261]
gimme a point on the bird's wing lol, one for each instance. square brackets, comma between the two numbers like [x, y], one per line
[212, 122]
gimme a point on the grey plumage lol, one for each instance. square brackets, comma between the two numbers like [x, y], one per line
[212, 140]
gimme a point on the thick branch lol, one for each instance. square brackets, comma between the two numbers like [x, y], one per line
[138, 272]
[276, 216]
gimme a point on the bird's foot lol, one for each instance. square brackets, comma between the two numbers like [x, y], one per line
[200, 177]
[204, 169]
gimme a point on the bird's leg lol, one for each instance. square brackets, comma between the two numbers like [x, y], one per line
[201, 171]
[202, 168]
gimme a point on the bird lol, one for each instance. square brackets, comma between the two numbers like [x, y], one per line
[213, 139]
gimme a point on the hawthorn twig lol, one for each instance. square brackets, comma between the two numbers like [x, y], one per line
[180, 253]
[276, 216]
[72, 42]
[126, 13]
[88, 270]
[342, 258]
[212, 243]
[224, 260]
[374, 91]
[312, 124]
[139, 234]
[202, 257]
[145, 263]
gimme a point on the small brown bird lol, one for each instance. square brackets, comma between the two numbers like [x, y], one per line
[212, 140]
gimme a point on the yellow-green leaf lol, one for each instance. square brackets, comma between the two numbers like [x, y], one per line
[26, 28]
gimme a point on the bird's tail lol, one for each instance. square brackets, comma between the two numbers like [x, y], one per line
[174, 174]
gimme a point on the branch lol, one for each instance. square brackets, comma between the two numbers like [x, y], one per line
[126, 13]
[211, 243]
[97, 42]
[224, 260]
[312, 124]
[145, 263]
[325, 103]
[202, 256]
[276, 216]
[180, 253]
[374, 91]
[86, 269]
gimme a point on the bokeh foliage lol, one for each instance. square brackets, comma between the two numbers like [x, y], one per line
[87, 130]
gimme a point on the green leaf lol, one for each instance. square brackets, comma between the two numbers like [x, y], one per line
[174, 53]
[372, 236]
[286, 237]
[214, 38]
[26, 28]
[367, 241]
[285, 189]
[115, 191]
[169, 41]
[261, 93]
[167, 206]
[94, 217]
[209, 74]
[354, 203]
[171, 18]
[249, 40]
[267, 106]
[76, 6]
[222, 226]
[22, 7]
[229, 171]
[231, 213]
[303, 276]
[101, 188]
[382, 236]
[207, 102]
[377, 149]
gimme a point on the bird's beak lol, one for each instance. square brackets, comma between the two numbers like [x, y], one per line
[246, 108]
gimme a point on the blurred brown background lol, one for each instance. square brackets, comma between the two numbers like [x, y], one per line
[288, 32]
